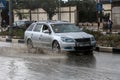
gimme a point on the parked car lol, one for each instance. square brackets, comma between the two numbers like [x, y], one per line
[58, 36]
[22, 24]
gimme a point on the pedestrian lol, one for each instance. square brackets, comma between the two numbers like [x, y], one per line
[98, 25]
[110, 25]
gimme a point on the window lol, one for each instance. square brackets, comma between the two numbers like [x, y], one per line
[30, 27]
[45, 28]
[63, 28]
[37, 28]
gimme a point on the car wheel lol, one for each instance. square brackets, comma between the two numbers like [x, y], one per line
[29, 44]
[56, 47]
[30, 47]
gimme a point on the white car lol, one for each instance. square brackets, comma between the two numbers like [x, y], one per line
[58, 36]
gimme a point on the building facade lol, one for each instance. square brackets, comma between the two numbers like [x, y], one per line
[66, 14]
[70, 13]
[116, 13]
[113, 8]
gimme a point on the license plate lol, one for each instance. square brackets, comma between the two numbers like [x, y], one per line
[83, 44]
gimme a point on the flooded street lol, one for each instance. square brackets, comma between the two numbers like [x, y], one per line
[17, 64]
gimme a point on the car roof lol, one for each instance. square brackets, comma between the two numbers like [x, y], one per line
[52, 22]
[22, 20]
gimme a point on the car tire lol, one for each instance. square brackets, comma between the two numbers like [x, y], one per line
[56, 47]
[29, 44]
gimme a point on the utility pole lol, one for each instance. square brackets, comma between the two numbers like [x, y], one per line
[111, 9]
[59, 10]
[69, 11]
[30, 10]
[99, 10]
[10, 18]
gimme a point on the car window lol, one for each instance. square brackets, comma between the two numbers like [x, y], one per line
[28, 22]
[37, 28]
[45, 27]
[19, 23]
[30, 27]
[14, 24]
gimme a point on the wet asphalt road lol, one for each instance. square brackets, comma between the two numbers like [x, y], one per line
[17, 64]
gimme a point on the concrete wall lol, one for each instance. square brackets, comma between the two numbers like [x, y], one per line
[37, 14]
[116, 15]
[67, 14]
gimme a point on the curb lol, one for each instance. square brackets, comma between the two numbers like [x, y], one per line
[12, 40]
[116, 50]
[107, 49]
[15, 40]
[109, 32]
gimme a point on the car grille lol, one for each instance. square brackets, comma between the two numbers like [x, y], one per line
[83, 40]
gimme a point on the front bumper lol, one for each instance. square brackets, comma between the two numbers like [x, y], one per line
[74, 47]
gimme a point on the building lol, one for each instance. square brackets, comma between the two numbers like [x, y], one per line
[116, 13]
[107, 8]
[114, 9]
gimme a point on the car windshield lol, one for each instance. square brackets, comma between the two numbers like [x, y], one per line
[28, 22]
[64, 28]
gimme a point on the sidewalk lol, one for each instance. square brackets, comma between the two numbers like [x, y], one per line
[95, 28]
[107, 49]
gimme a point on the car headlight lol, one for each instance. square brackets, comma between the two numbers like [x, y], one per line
[92, 39]
[65, 39]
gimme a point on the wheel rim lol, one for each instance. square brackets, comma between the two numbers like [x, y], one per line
[29, 44]
[56, 47]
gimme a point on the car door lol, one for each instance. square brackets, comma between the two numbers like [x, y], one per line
[36, 35]
[46, 36]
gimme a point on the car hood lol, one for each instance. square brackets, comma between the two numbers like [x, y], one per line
[75, 35]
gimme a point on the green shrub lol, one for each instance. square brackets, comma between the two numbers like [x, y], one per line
[108, 40]
[96, 34]
[112, 40]
[19, 33]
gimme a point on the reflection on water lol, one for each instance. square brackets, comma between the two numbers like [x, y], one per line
[12, 69]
